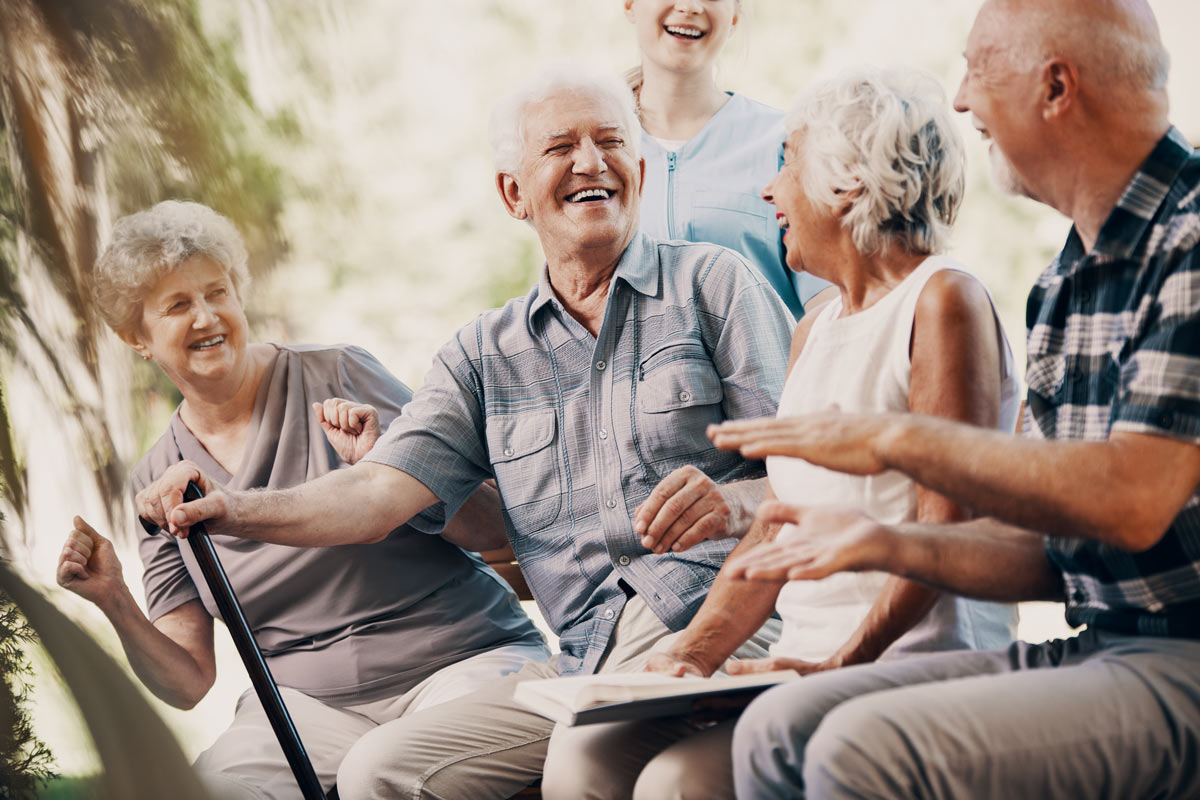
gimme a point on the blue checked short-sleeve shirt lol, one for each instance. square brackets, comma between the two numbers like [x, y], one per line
[578, 430]
[1114, 345]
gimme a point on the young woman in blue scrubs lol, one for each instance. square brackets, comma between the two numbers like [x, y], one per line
[708, 153]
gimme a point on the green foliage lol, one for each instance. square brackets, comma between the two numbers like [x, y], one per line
[25, 761]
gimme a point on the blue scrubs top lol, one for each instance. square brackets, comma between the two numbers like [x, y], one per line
[710, 190]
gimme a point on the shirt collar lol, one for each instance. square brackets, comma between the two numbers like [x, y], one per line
[638, 267]
[1125, 228]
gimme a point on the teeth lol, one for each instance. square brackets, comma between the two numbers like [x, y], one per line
[207, 343]
[783, 223]
[603, 194]
[689, 32]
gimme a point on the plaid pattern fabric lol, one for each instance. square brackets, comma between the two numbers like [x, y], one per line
[1114, 345]
[578, 430]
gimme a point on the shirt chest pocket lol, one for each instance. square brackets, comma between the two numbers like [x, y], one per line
[525, 463]
[678, 395]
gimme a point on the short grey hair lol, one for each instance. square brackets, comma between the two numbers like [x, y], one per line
[147, 245]
[885, 140]
[506, 132]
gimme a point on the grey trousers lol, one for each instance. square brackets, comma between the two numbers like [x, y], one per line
[486, 745]
[1095, 716]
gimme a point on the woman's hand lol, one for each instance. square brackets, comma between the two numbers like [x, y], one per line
[156, 502]
[352, 428]
[749, 666]
[830, 540]
[88, 565]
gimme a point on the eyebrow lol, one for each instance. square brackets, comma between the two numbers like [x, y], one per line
[605, 127]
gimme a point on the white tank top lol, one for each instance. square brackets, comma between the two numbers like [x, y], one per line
[861, 364]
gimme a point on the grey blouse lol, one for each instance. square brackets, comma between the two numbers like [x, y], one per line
[347, 624]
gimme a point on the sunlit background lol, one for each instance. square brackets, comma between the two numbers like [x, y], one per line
[346, 138]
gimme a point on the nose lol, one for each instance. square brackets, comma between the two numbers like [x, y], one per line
[960, 97]
[768, 192]
[687, 6]
[589, 159]
[204, 316]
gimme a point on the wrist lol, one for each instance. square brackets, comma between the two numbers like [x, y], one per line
[892, 440]
[119, 607]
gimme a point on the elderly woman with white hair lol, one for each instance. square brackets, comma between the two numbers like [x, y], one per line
[872, 182]
[357, 636]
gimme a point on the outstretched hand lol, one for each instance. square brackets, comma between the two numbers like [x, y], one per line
[828, 541]
[88, 565]
[352, 428]
[842, 442]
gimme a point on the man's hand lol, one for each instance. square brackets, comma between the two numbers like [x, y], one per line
[831, 540]
[748, 666]
[688, 507]
[88, 565]
[849, 443]
[162, 501]
[675, 664]
[352, 428]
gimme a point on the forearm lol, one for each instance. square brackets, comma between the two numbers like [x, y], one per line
[731, 613]
[984, 559]
[744, 498]
[1104, 491]
[901, 604]
[167, 669]
[358, 505]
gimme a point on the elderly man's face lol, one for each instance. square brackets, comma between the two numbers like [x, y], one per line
[1000, 98]
[579, 182]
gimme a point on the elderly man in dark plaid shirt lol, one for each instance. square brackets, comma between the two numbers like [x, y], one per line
[1097, 504]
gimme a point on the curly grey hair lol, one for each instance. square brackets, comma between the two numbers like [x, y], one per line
[506, 132]
[147, 245]
[885, 140]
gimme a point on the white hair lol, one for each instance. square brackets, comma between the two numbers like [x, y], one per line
[506, 132]
[885, 140]
[147, 245]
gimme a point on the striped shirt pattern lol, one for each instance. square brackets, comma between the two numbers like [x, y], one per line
[577, 430]
[1114, 345]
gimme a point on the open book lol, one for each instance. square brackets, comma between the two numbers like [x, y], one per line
[617, 697]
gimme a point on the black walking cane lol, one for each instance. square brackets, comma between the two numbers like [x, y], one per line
[239, 629]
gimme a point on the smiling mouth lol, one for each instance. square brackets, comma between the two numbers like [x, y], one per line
[589, 196]
[683, 32]
[781, 220]
[208, 344]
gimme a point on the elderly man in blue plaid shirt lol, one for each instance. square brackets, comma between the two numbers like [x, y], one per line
[579, 399]
[1096, 505]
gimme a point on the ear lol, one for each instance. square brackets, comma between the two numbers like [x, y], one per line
[629, 10]
[1059, 88]
[510, 193]
[135, 341]
[844, 199]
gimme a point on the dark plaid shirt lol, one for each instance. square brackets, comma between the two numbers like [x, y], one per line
[1114, 345]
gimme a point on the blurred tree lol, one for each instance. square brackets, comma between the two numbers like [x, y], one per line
[25, 761]
[105, 108]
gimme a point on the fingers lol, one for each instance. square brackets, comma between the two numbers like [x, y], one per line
[337, 413]
[686, 508]
[775, 511]
[156, 500]
[666, 664]
[185, 515]
[733, 433]
[748, 666]
[768, 562]
[666, 488]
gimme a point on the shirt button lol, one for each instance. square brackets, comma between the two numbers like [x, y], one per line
[685, 396]
[609, 613]
[603, 433]
[611, 503]
[600, 365]
[623, 561]
[508, 451]
[1166, 419]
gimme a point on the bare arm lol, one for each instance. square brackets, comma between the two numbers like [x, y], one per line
[348, 506]
[985, 559]
[173, 656]
[1124, 491]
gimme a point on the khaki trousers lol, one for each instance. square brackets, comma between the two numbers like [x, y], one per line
[247, 763]
[485, 745]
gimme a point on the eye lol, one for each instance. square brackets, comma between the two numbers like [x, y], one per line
[613, 142]
[177, 306]
[559, 148]
[221, 292]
